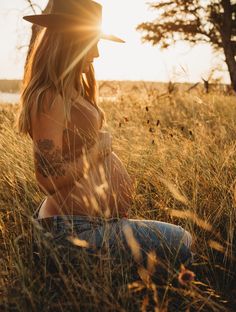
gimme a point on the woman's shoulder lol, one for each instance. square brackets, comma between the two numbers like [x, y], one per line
[47, 103]
[50, 109]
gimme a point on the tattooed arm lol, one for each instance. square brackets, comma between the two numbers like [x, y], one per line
[53, 169]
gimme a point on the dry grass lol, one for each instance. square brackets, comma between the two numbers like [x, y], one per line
[181, 150]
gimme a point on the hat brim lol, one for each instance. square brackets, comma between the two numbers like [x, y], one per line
[62, 22]
[111, 38]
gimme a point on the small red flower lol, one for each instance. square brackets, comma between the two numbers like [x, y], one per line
[185, 276]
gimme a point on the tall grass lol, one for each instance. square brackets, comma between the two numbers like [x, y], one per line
[180, 148]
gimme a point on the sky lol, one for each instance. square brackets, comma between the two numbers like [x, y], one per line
[133, 60]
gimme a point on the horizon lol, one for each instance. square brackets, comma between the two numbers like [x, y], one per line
[131, 80]
[132, 61]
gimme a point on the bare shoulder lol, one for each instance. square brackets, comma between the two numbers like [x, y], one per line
[51, 102]
[50, 112]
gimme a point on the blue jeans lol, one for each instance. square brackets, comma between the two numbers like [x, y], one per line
[134, 238]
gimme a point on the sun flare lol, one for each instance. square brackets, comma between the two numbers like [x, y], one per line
[129, 61]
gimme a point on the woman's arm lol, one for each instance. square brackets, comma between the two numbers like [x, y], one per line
[53, 170]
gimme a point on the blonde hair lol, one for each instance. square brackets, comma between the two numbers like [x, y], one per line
[54, 67]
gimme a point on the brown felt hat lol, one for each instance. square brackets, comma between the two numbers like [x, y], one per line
[81, 16]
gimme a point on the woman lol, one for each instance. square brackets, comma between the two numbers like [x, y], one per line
[84, 181]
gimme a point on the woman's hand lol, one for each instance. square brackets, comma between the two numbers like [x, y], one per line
[105, 143]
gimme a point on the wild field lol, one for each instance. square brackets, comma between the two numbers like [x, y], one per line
[180, 147]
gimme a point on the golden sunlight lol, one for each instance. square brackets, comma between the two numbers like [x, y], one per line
[117, 158]
[131, 60]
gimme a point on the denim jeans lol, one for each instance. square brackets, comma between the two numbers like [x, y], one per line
[135, 239]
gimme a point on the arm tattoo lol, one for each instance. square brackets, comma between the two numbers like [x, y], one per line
[49, 160]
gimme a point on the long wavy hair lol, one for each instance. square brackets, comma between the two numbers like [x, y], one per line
[54, 67]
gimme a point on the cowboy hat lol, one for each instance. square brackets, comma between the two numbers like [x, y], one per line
[82, 16]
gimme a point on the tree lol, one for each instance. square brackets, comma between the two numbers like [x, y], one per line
[195, 21]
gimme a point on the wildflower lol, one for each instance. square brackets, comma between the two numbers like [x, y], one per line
[185, 276]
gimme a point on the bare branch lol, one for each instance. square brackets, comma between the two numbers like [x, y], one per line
[31, 5]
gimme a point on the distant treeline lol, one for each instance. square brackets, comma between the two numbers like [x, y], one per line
[111, 87]
[11, 86]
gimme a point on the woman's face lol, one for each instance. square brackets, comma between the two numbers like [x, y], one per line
[93, 52]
